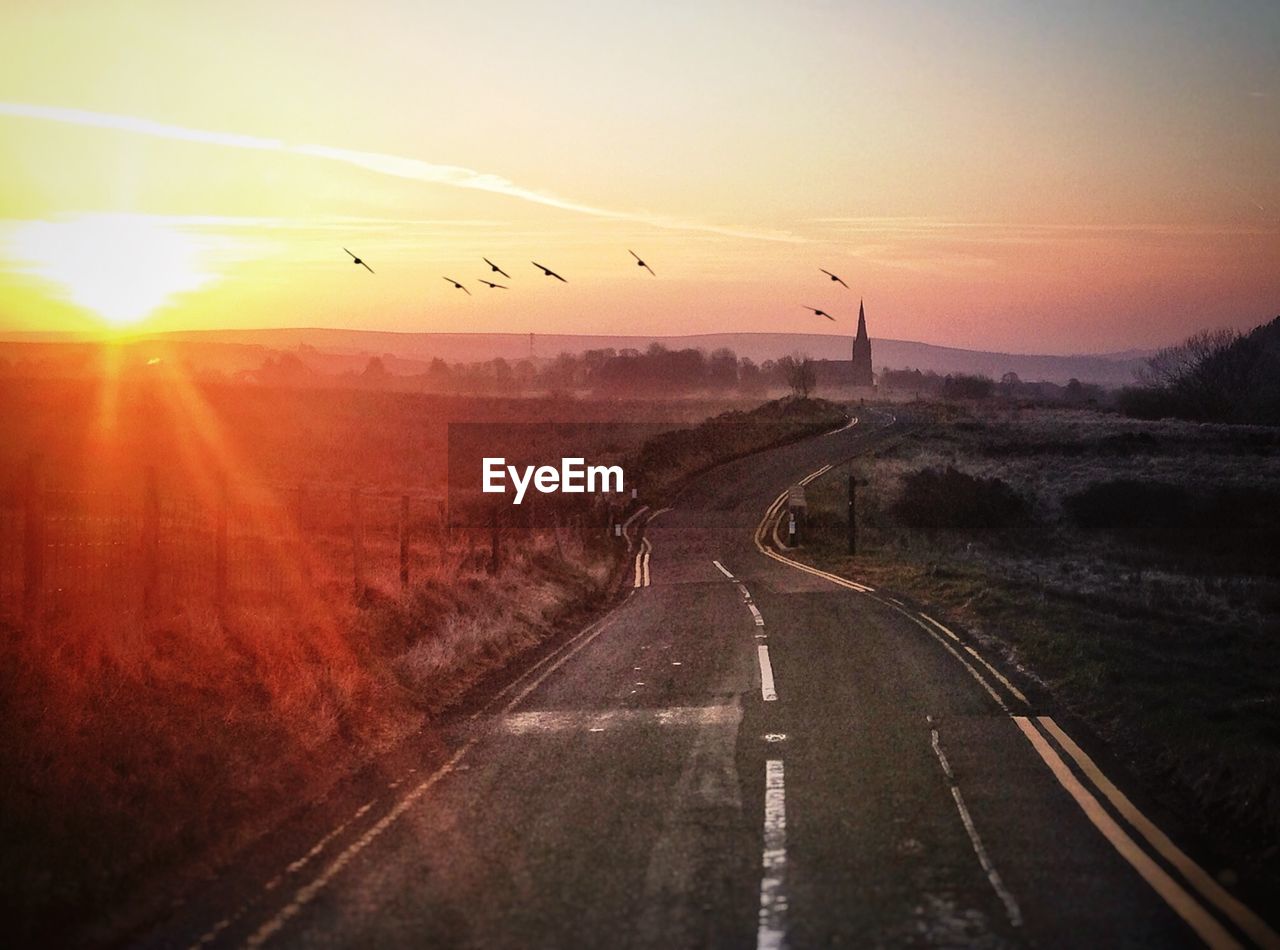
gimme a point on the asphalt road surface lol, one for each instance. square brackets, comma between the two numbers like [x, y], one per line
[744, 753]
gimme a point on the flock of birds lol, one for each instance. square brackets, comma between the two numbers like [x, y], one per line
[548, 272]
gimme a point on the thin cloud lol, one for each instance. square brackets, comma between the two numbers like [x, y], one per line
[991, 231]
[396, 166]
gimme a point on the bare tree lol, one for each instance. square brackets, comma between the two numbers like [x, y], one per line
[800, 375]
[1203, 374]
[1172, 366]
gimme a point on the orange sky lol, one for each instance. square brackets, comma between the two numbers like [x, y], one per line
[984, 174]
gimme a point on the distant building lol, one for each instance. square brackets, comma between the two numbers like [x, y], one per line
[862, 374]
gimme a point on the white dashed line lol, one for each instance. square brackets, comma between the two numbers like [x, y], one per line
[772, 933]
[723, 570]
[767, 689]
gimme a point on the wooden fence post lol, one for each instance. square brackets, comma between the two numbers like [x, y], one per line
[150, 539]
[220, 546]
[357, 542]
[404, 543]
[33, 540]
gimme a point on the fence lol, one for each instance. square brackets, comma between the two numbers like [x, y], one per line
[147, 546]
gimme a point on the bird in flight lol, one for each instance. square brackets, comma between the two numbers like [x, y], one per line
[356, 260]
[548, 271]
[496, 269]
[491, 285]
[834, 277]
[640, 263]
[820, 313]
[457, 285]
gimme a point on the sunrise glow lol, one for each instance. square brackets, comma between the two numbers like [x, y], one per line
[119, 267]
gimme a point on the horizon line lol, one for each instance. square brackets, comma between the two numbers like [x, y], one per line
[87, 336]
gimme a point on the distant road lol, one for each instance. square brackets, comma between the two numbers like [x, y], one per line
[745, 753]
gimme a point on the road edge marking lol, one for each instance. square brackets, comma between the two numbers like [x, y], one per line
[1182, 903]
[1248, 921]
[1011, 908]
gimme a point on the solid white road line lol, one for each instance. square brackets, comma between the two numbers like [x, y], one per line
[1173, 894]
[772, 933]
[1006, 897]
[767, 689]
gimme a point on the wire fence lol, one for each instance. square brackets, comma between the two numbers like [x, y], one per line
[65, 550]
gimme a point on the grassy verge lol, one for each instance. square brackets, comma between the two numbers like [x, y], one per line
[670, 458]
[1158, 635]
[136, 748]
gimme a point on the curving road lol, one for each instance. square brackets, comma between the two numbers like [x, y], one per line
[744, 753]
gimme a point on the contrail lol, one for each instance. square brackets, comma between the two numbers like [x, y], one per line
[397, 166]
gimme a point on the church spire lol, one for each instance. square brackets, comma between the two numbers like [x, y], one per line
[862, 372]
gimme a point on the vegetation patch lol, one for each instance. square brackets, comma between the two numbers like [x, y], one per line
[936, 499]
[669, 457]
[1147, 605]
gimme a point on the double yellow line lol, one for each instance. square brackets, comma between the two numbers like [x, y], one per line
[1192, 896]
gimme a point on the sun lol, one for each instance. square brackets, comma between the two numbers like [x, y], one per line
[122, 267]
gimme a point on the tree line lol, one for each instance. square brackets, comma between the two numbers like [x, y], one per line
[656, 370]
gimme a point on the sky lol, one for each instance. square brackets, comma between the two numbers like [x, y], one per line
[1025, 176]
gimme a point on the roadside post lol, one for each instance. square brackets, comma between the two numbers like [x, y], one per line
[797, 511]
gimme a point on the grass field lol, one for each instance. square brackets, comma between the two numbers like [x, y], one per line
[1149, 609]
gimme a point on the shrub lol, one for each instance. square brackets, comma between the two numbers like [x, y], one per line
[1143, 509]
[934, 499]
[1234, 525]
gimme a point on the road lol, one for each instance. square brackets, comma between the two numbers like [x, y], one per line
[744, 753]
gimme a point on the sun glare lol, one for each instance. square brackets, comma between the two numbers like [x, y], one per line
[123, 267]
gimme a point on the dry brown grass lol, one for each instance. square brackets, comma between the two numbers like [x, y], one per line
[134, 746]
[138, 747]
